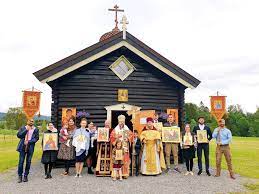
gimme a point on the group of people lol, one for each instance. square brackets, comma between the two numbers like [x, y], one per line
[129, 150]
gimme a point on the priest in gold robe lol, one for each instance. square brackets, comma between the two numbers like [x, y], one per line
[152, 161]
[123, 133]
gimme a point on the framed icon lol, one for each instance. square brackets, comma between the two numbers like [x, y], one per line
[103, 135]
[187, 140]
[122, 95]
[171, 134]
[202, 136]
[50, 141]
[67, 113]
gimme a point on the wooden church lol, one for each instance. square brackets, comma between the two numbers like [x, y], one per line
[112, 76]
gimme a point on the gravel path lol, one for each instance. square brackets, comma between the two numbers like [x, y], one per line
[166, 183]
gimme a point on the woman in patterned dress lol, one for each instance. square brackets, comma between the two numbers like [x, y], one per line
[67, 150]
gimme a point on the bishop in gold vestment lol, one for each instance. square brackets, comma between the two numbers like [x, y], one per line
[152, 161]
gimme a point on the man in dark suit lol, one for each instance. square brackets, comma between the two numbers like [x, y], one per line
[28, 136]
[136, 150]
[203, 146]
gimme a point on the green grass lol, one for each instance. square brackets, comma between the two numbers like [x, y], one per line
[253, 187]
[245, 156]
[7, 132]
[8, 153]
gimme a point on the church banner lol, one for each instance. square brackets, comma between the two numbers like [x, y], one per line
[31, 103]
[218, 106]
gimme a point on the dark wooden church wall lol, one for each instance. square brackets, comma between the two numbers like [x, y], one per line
[95, 86]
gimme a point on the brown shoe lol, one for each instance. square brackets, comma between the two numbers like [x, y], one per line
[64, 173]
[232, 177]
[216, 175]
[177, 170]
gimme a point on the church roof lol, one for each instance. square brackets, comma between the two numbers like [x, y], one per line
[109, 34]
[108, 45]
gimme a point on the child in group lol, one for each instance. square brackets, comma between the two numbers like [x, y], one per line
[117, 160]
[92, 158]
[93, 133]
[64, 134]
[136, 150]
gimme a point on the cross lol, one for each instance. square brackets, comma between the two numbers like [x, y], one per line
[116, 9]
[124, 23]
[123, 106]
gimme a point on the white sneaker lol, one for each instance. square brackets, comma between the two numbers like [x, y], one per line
[80, 176]
[76, 176]
[191, 173]
[186, 173]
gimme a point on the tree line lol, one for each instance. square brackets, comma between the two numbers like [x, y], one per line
[240, 123]
[15, 118]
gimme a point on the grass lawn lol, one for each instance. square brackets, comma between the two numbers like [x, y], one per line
[8, 153]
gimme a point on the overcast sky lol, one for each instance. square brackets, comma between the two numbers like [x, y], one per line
[217, 41]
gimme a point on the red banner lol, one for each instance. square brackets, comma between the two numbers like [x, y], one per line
[218, 106]
[31, 103]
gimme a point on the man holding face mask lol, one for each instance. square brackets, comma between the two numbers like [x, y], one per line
[28, 136]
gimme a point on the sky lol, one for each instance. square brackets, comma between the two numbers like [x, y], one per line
[215, 41]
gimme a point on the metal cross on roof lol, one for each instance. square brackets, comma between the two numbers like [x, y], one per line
[116, 9]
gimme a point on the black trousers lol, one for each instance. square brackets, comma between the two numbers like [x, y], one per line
[67, 165]
[48, 168]
[137, 163]
[189, 164]
[92, 154]
[205, 148]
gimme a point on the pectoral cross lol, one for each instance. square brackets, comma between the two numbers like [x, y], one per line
[124, 23]
[116, 9]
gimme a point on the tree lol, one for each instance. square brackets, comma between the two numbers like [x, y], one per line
[193, 123]
[191, 111]
[15, 118]
[253, 132]
[2, 124]
[243, 126]
[253, 120]
[44, 126]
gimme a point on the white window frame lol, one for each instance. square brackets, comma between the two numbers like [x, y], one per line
[122, 58]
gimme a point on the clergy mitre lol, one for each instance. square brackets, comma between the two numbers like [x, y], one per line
[121, 118]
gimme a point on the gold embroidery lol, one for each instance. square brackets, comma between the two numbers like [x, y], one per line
[151, 157]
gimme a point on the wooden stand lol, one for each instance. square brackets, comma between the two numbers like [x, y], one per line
[104, 159]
